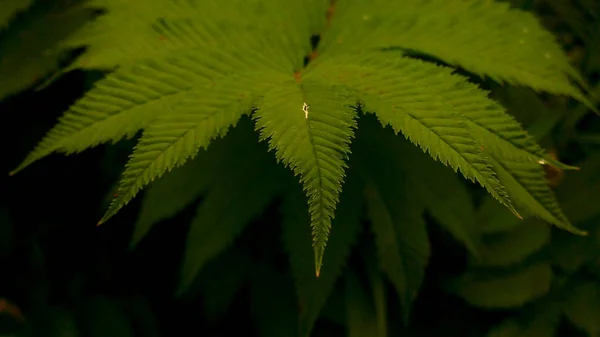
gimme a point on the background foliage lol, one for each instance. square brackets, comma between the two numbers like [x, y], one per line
[63, 276]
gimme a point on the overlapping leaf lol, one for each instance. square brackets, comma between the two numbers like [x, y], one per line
[400, 232]
[409, 96]
[173, 192]
[232, 202]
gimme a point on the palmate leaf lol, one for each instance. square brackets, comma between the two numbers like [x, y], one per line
[408, 95]
[310, 126]
[188, 70]
[456, 123]
[313, 292]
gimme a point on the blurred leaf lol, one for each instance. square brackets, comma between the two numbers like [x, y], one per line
[494, 217]
[104, 316]
[571, 252]
[443, 193]
[313, 291]
[221, 279]
[28, 48]
[362, 316]
[400, 235]
[232, 202]
[528, 108]
[273, 304]
[378, 291]
[543, 323]
[582, 307]
[143, 318]
[508, 291]
[174, 191]
[396, 216]
[9, 8]
[580, 190]
[61, 323]
[515, 245]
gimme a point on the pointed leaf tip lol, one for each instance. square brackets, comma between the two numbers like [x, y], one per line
[319, 251]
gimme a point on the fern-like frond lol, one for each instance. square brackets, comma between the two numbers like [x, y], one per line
[400, 231]
[485, 37]
[232, 202]
[410, 96]
[310, 125]
[313, 292]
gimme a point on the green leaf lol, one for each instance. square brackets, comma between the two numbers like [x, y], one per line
[230, 205]
[578, 188]
[507, 248]
[310, 125]
[412, 96]
[493, 217]
[378, 290]
[170, 27]
[362, 317]
[527, 186]
[571, 252]
[543, 322]
[508, 291]
[444, 195]
[221, 279]
[582, 307]
[180, 188]
[485, 37]
[9, 8]
[400, 231]
[312, 291]
[173, 96]
[29, 47]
